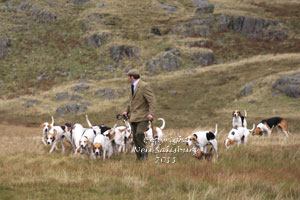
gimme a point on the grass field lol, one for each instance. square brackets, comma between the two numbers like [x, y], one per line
[267, 168]
[49, 58]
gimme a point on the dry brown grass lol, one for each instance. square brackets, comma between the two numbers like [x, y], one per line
[267, 168]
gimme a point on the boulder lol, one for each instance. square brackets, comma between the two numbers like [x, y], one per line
[203, 58]
[97, 40]
[247, 90]
[168, 61]
[168, 7]
[76, 97]
[62, 96]
[106, 93]
[81, 87]
[30, 102]
[289, 85]
[79, 2]
[4, 44]
[71, 108]
[118, 52]
[203, 6]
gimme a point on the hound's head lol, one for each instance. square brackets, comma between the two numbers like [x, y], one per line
[97, 147]
[191, 139]
[257, 131]
[46, 127]
[51, 137]
[199, 154]
[230, 139]
[84, 142]
[111, 133]
[236, 113]
[148, 134]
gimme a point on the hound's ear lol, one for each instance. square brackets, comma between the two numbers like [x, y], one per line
[146, 134]
[50, 127]
[239, 112]
[233, 113]
[42, 125]
[69, 128]
[89, 143]
[78, 150]
[79, 142]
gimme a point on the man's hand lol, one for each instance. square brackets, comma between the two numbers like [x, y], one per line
[125, 114]
[150, 117]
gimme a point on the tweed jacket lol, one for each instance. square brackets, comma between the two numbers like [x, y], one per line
[141, 103]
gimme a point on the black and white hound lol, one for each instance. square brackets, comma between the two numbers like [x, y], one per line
[202, 139]
[267, 125]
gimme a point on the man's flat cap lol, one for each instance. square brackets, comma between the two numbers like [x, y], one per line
[133, 72]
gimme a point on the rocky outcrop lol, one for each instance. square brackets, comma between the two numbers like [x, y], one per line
[62, 96]
[42, 16]
[97, 40]
[289, 85]
[203, 7]
[119, 52]
[247, 90]
[203, 58]
[4, 44]
[81, 87]
[254, 27]
[168, 7]
[168, 61]
[106, 93]
[71, 108]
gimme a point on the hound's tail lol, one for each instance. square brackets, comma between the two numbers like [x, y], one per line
[52, 123]
[245, 114]
[88, 121]
[163, 123]
[216, 130]
[252, 128]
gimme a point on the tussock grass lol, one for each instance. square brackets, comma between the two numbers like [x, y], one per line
[265, 168]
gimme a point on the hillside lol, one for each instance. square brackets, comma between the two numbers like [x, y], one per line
[50, 47]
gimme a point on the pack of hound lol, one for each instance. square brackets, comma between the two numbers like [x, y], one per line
[96, 140]
[100, 140]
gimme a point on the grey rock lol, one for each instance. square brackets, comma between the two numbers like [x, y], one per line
[97, 40]
[224, 22]
[151, 66]
[71, 108]
[42, 17]
[119, 52]
[247, 90]
[208, 21]
[3, 9]
[168, 7]
[4, 44]
[172, 92]
[203, 58]
[81, 87]
[23, 6]
[127, 69]
[62, 96]
[106, 93]
[76, 97]
[205, 9]
[199, 43]
[289, 85]
[169, 62]
[30, 102]
[79, 2]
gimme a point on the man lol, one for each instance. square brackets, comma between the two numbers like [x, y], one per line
[140, 110]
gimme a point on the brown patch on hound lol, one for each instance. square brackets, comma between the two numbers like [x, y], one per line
[201, 155]
[230, 142]
[97, 146]
[283, 125]
[122, 130]
[257, 131]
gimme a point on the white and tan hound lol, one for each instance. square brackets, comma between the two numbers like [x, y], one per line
[267, 125]
[201, 139]
[102, 145]
[238, 120]
[46, 127]
[57, 133]
[154, 134]
[238, 135]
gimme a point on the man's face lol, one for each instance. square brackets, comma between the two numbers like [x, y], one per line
[131, 79]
